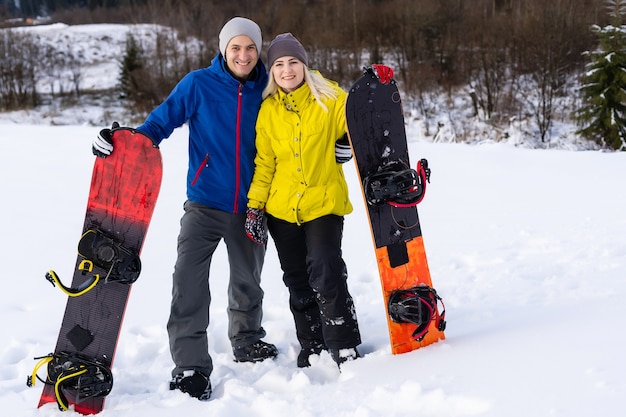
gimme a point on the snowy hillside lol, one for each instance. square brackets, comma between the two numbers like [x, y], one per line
[99, 49]
[526, 247]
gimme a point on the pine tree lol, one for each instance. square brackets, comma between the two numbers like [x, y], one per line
[603, 115]
[130, 65]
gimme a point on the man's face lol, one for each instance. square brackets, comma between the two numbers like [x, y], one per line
[241, 56]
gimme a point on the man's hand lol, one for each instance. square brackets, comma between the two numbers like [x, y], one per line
[102, 145]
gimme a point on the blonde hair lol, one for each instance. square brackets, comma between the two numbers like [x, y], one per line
[320, 87]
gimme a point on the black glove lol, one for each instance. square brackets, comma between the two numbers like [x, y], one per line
[343, 151]
[102, 145]
[256, 226]
[383, 72]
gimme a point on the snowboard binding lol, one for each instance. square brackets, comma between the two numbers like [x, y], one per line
[73, 372]
[417, 305]
[396, 184]
[121, 264]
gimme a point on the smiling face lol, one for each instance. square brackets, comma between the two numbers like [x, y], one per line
[288, 72]
[241, 56]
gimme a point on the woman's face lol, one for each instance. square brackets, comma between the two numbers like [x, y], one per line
[288, 71]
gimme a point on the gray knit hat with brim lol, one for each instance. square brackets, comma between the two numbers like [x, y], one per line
[240, 26]
[286, 44]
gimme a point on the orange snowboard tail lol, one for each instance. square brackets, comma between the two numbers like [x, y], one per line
[412, 274]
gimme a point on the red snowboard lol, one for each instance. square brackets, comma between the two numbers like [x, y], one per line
[123, 194]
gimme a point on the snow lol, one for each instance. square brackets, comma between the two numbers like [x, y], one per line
[526, 247]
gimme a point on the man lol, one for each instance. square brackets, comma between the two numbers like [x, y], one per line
[220, 104]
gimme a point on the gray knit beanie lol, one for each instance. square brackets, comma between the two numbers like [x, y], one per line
[286, 44]
[240, 26]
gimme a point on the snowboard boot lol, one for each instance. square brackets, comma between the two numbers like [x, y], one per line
[306, 352]
[194, 383]
[256, 352]
[341, 356]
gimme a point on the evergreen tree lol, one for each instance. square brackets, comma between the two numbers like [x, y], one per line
[603, 115]
[129, 67]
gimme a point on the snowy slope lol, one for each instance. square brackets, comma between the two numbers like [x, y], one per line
[527, 248]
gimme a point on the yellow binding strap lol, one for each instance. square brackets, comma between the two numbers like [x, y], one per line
[61, 400]
[82, 288]
[42, 361]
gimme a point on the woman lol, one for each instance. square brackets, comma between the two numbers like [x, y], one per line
[299, 183]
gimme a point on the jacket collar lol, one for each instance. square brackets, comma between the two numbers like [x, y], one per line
[296, 101]
[259, 74]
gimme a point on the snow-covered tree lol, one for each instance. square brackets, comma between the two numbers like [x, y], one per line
[603, 114]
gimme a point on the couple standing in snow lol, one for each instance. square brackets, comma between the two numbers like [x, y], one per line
[265, 153]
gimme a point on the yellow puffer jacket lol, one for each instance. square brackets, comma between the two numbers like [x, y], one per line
[296, 177]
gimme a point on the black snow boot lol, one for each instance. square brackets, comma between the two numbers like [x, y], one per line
[194, 383]
[256, 352]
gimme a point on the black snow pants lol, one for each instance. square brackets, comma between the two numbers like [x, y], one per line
[315, 274]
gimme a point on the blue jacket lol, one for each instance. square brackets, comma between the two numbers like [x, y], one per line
[222, 113]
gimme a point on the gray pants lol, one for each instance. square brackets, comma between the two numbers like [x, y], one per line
[202, 228]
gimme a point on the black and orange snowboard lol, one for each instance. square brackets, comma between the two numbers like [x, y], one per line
[391, 190]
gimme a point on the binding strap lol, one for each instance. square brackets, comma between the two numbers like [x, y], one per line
[73, 372]
[418, 190]
[417, 305]
[396, 184]
[85, 266]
